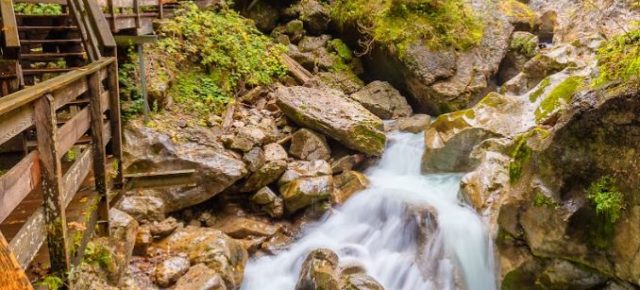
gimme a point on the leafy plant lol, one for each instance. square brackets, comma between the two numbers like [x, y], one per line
[607, 198]
[98, 255]
[51, 282]
[200, 92]
[540, 199]
[435, 23]
[37, 9]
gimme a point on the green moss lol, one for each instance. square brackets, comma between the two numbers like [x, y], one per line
[97, 254]
[619, 59]
[519, 157]
[435, 23]
[609, 203]
[518, 10]
[560, 95]
[544, 84]
[51, 282]
[540, 199]
[524, 45]
[200, 92]
[72, 154]
[341, 49]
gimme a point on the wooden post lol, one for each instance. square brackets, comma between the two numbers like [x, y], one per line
[112, 10]
[99, 155]
[12, 276]
[143, 81]
[136, 10]
[116, 122]
[52, 187]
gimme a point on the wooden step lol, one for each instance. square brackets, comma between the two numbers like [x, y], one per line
[35, 71]
[50, 55]
[34, 16]
[47, 27]
[61, 40]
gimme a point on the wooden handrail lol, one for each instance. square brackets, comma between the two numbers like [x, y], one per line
[20, 98]
[9, 24]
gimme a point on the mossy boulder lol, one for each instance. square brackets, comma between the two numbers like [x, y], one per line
[523, 46]
[383, 100]
[332, 113]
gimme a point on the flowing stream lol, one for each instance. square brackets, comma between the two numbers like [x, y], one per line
[387, 228]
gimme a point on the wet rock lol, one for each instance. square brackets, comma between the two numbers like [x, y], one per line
[347, 162]
[301, 169]
[170, 270]
[221, 254]
[309, 145]
[264, 15]
[254, 159]
[539, 67]
[163, 228]
[248, 137]
[148, 150]
[274, 151]
[269, 202]
[311, 43]
[266, 175]
[315, 16]
[333, 114]
[303, 192]
[561, 274]
[201, 277]
[143, 207]
[348, 183]
[359, 281]
[413, 124]
[241, 228]
[319, 271]
[523, 46]
[295, 30]
[383, 100]
[344, 80]
[316, 60]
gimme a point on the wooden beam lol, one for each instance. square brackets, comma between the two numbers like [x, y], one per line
[15, 122]
[99, 154]
[128, 40]
[12, 276]
[71, 131]
[185, 177]
[52, 191]
[99, 24]
[116, 123]
[30, 94]
[9, 25]
[18, 182]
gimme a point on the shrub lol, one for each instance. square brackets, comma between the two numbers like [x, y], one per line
[606, 197]
[38, 9]
[436, 23]
[51, 282]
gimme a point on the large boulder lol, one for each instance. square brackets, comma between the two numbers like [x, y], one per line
[148, 149]
[222, 254]
[383, 100]
[309, 145]
[332, 113]
[319, 271]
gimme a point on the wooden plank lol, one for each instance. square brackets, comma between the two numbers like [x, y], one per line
[99, 152]
[9, 25]
[130, 3]
[89, 221]
[18, 182]
[126, 40]
[99, 24]
[61, 2]
[30, 94]
[52, 191]
[15, 122]
[116, 123]
[76, 174]
[70, 132]
[69, 93]
[12, 276]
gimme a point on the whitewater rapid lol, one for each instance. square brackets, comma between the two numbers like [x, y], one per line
[385, 228]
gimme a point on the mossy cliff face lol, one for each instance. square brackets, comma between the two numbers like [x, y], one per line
[443, 70]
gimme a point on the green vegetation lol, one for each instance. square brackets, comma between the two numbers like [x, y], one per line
[97, 254]
[518, 10]
[341, 49]
[435, 23]
[206, 57]
[540, 199]
[519, 157]
[51, 282]
[37, 9]
[524, 45]
[544, 84]
[560, 95]
[609, 203]
[619, 59]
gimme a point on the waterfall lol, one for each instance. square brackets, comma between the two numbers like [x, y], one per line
[387, 228]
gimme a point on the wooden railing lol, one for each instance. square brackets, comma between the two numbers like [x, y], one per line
[10, 76]
[94, 29]
[41, 170]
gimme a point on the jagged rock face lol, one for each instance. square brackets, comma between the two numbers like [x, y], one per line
[332, 113]
[383, 100]
[522, 47]
[146, 149]
[445, 81]
[222, 255]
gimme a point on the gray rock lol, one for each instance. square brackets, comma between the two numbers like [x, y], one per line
[315, 16]
[383, 100]
[309, 145]
[269, 202]
[266, 175]
[143, 207]
[201, 277]
[274, 151]
[264, 15]
[332, 113]
[170, 270]
[254, 159]
[413, 124]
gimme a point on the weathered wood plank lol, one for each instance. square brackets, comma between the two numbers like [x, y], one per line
[52, 191]
[9, 25]
[76, 174]
[12, 276]
[69, 93]
[116, 123]
[71, 131]
[99, 24]
[30, 94]
[129, 3]
[99, 152]
[15, 122]
[18, 182]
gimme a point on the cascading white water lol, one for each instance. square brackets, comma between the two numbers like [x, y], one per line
[378, 228]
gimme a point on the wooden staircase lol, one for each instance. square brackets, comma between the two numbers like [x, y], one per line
[50, 45]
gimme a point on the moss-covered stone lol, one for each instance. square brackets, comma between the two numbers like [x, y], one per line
[561, 95]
